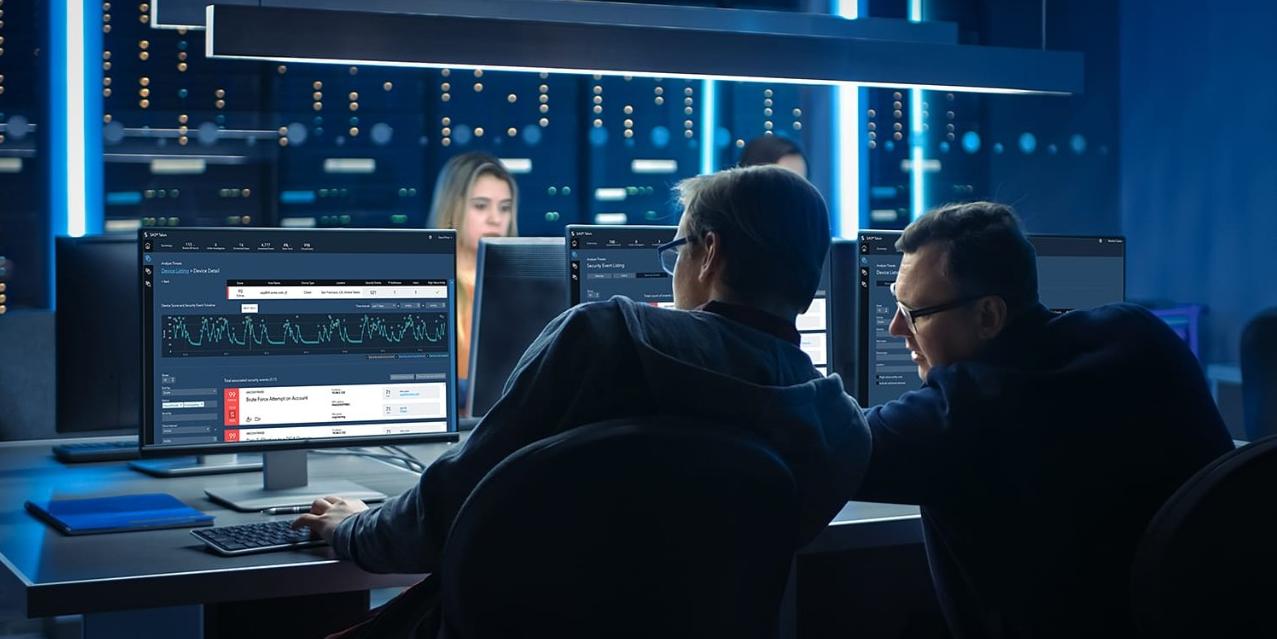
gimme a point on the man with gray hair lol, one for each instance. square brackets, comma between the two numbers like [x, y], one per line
[745, 262]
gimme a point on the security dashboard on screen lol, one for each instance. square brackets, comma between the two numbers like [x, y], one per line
[618, 260]
[271, 336]
[622, 260]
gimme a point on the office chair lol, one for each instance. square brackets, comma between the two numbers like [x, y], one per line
[1207, 565]
[645, 527]
[1259, 375]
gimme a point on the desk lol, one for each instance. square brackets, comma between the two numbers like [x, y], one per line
[44, 573]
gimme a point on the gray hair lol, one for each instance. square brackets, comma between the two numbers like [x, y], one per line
[774, 228]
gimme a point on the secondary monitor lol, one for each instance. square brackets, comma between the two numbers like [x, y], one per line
[279, 341]
[1074, 272]
[622, 260]
[97, 332]
[618, 260]
[520, 286]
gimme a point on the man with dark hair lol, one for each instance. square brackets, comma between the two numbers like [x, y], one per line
[730, 354]
[1040, 444]
[774, 149]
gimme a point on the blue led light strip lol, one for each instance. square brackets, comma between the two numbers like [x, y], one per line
[847, 151]
[917, 138]
[709, 122]
[75, 121]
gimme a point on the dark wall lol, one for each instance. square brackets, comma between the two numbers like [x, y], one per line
[1068, 183]
[1055, 158]
[1199, 179]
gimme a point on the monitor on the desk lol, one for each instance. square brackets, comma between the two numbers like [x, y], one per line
[622, 260]
[279, 340]
[519, 288]
[604, 261]
[1074, 272]
[97, 334]
[839, 285]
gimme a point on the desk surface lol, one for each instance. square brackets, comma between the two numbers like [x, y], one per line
[44, 573]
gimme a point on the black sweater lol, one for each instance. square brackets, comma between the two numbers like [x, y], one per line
[619, 358]
[1039, 464]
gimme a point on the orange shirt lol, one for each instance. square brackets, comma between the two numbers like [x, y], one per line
[465, 313]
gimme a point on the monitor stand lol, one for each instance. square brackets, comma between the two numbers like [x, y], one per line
[201, 465]
[284, 476]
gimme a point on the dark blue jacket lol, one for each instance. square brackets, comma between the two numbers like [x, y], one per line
[1039, 464]
[618, 358]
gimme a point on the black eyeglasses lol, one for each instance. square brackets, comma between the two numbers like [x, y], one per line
[669, 253]
[912, 314]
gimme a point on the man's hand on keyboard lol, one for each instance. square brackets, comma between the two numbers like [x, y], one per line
[326, 513]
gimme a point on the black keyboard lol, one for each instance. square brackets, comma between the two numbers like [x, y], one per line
[76, 452]
[250, 538]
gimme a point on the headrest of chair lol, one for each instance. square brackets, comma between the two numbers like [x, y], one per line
[1211, 551]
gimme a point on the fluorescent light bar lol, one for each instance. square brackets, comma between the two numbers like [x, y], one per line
[178, 166]
[603, 194]
[709, 122]
[123, 226]
[75, 118]
[517, 166]
[350, 165]
[929, 165]
[611, 218]
[662, 167]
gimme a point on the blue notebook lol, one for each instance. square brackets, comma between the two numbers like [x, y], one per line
[118, 514]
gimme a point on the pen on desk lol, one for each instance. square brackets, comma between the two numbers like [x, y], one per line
[286, 510]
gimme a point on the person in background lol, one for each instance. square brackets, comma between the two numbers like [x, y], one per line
[774, 149]
[1041, 444]
[478, 197]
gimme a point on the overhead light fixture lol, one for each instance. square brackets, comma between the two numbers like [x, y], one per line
[733, 46]
[191, 14]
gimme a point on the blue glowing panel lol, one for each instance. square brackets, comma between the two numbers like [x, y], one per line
[750, 109]
[351, 146]
[185, 139]
[24, 216]
[886, 137]
[531, 121]
[642, 137]
[958, 143]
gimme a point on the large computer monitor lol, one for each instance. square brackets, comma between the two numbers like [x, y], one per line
[1073, 272]
[520, 286]
[97, 332]
[279, 341]
[622, 260]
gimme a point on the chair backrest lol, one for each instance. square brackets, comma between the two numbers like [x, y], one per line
[647, 527]
[1207, 565]
[1259, 375]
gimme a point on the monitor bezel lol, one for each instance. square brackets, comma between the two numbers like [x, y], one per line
[476, 313]
[146, 414]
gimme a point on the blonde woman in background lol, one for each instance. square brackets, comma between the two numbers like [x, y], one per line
[477, 196]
